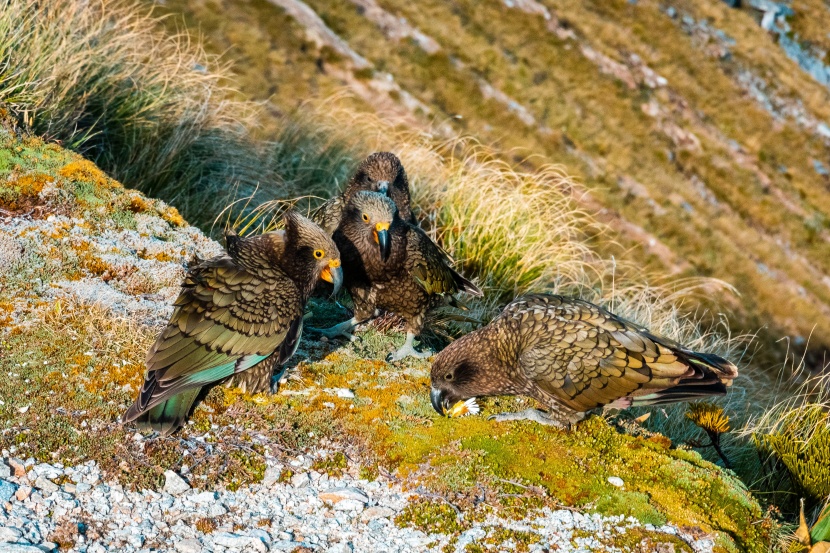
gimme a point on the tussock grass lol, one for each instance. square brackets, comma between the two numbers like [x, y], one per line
[152, 110]
[793, 438]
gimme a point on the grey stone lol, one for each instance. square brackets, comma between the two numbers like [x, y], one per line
[342, 547]
[285, 545]
[7, 490]
[18, 548]
[349, 505]
[262, 535]
[373, 513]
[5, 470]
[241, 543]
[46, 485]
[47, 470]
[189, 546]
[337, 495]
[217, 510]
[204, 497]
[272, 476]
[300, 480]
[174, 484]
[48, 546]
[10, 534]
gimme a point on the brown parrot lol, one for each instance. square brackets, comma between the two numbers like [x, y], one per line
[236, 313]
[380, 172]
[572, 356]
[392, 265]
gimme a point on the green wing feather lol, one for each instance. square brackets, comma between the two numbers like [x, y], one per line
[432, 269]
[225, 321]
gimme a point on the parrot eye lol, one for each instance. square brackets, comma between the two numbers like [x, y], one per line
[318, 254]
[448, 376]
[365, 218]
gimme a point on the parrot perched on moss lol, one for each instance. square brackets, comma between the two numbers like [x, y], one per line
[237, 316]
[392, 265]
[572, 356]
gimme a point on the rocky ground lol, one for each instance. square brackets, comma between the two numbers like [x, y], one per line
[307, 511]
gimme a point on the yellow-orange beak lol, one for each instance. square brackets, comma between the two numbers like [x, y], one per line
[333, 273]
[381, 234]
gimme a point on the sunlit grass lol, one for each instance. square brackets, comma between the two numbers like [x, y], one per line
[793, 437]
[150, 109]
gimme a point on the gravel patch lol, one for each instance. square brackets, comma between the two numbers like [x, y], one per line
[80, 512]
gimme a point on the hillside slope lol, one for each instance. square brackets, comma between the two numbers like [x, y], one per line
[88, 272]
[697, 137]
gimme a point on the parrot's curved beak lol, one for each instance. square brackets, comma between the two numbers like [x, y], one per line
[382, 239]
[383, 186]
[436, 397]
[334, 274]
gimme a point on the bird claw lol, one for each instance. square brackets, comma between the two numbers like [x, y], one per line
[337, 331]
[534, 415]
[408, 351]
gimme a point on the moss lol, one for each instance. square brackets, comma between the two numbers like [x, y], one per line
[369, 473]
[172, 216]
[85, 171]
[640, 539]
[21, 193]
[514, 540]
[333, 465]
[429, 516]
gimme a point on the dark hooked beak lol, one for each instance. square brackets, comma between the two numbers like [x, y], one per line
[334, 274]
[383, 186]
[382, 238]
[337, 280]
[436, 397]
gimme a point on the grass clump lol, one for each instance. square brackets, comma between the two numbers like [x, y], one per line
[150, 109]
[795, 436]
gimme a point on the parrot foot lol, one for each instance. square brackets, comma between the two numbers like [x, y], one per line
[408, 350]
[534, 415]
[339, 330]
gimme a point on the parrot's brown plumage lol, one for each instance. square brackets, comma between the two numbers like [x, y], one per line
[380, 172]
[236, 313]
[573, 356]
[392, 265]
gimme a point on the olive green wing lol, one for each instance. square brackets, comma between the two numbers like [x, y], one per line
[257, 379]
[225, 321]
[585, 357]
[431, 268]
